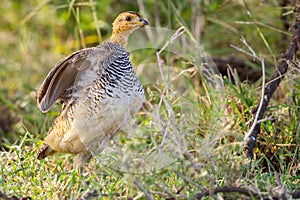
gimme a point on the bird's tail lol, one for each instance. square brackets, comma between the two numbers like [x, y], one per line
[44, 151]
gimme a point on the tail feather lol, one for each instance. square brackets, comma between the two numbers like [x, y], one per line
[44, 151]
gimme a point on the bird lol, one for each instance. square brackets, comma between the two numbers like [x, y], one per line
[99, 92]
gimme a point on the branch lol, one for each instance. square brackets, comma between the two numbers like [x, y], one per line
[227, 189]
[274, 82]
[242, 191]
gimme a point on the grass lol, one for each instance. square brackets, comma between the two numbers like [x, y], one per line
[187, 138]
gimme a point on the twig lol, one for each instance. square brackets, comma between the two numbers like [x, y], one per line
[170, 118]
[255, 122]
[274, 83]
[244, 191]
[266, 119]
[253, 54]
[159, 61]
[139, 185]
[178, 33]
[227, 189]
[190, 181]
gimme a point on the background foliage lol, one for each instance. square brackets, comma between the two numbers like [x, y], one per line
[35, 35]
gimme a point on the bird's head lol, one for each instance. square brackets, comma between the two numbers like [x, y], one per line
[125, 24]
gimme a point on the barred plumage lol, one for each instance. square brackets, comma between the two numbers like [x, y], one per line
[99, 90]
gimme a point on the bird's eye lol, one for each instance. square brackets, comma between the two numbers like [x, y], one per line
[128, 18]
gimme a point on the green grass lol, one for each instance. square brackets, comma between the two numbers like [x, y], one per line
[187, 138]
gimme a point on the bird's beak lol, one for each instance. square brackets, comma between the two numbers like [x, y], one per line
[143, 22]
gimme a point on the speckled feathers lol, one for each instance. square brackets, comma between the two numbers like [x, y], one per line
[99, 91]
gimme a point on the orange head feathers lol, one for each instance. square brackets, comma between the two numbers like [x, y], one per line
[124, 25]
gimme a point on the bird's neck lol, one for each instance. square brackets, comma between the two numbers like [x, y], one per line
[120, 38]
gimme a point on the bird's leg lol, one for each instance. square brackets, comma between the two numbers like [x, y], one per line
[81, 159]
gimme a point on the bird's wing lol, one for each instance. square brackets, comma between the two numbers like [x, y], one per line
[77, 70]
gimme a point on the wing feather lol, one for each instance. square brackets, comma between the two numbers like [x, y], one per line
[77, 70]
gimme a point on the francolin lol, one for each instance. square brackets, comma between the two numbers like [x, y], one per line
[99, 92]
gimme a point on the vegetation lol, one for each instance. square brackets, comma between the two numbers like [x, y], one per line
[188, 138]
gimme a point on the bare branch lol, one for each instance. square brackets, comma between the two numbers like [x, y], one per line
[271, 87]
[227, 189]
[246, 192]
